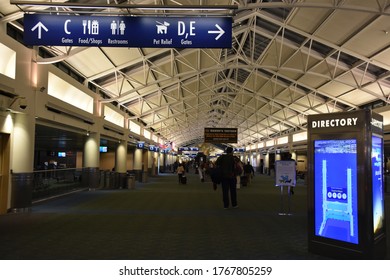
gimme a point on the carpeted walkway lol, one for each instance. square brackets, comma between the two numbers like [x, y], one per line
[161, 220]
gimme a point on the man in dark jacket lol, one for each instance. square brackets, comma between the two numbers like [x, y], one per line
[227, 164]
[248, 173]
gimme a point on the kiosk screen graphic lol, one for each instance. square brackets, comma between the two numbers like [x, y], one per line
[335, 187]
[377, 185]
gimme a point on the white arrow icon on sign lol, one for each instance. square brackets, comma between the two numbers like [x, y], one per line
[220, 31]
[39, 26]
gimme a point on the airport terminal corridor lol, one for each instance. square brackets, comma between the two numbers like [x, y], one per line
[163, 220]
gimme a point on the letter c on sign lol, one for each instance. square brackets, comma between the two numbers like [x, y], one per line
[66, 26]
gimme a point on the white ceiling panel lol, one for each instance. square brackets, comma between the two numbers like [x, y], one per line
[342, 24]
[357, 97]
[118, 56]
[90, 62]
[383, 57]
[335, 88]
[376, 31]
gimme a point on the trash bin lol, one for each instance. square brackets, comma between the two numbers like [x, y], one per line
[131, 181]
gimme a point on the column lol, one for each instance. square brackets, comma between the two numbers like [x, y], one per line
[266, 164]
[91, 176]
[22, 162]
[161, 162]
[145, 165]
[150, 163]
[138, 164]
[153, 163]
[120, 163]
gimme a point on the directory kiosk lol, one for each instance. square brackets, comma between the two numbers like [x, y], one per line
[345, 185]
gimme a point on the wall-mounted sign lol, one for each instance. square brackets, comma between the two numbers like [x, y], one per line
[140, 145]
[188, 149]
[153, 148]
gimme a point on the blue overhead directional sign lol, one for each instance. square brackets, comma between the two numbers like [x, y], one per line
[139, 32]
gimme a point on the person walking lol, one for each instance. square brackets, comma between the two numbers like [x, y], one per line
[249, 172]
[228, 169]
[238, 166]
[180, 172]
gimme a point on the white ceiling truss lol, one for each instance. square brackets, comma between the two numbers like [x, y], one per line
[289, 59]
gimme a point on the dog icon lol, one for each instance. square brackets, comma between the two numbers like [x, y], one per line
[162, 28]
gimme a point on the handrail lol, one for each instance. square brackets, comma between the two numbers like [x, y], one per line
[56, 169]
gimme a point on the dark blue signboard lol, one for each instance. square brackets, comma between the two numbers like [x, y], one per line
[188, 149]
[140, 145]
[153, 148]
[126, 31]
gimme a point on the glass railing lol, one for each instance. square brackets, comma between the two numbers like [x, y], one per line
[52, 182]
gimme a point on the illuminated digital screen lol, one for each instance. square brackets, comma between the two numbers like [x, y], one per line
[61, 154]
[335, 187]
[377, 185]
[103, 149]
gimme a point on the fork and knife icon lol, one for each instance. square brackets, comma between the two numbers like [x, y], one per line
[86, 24]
